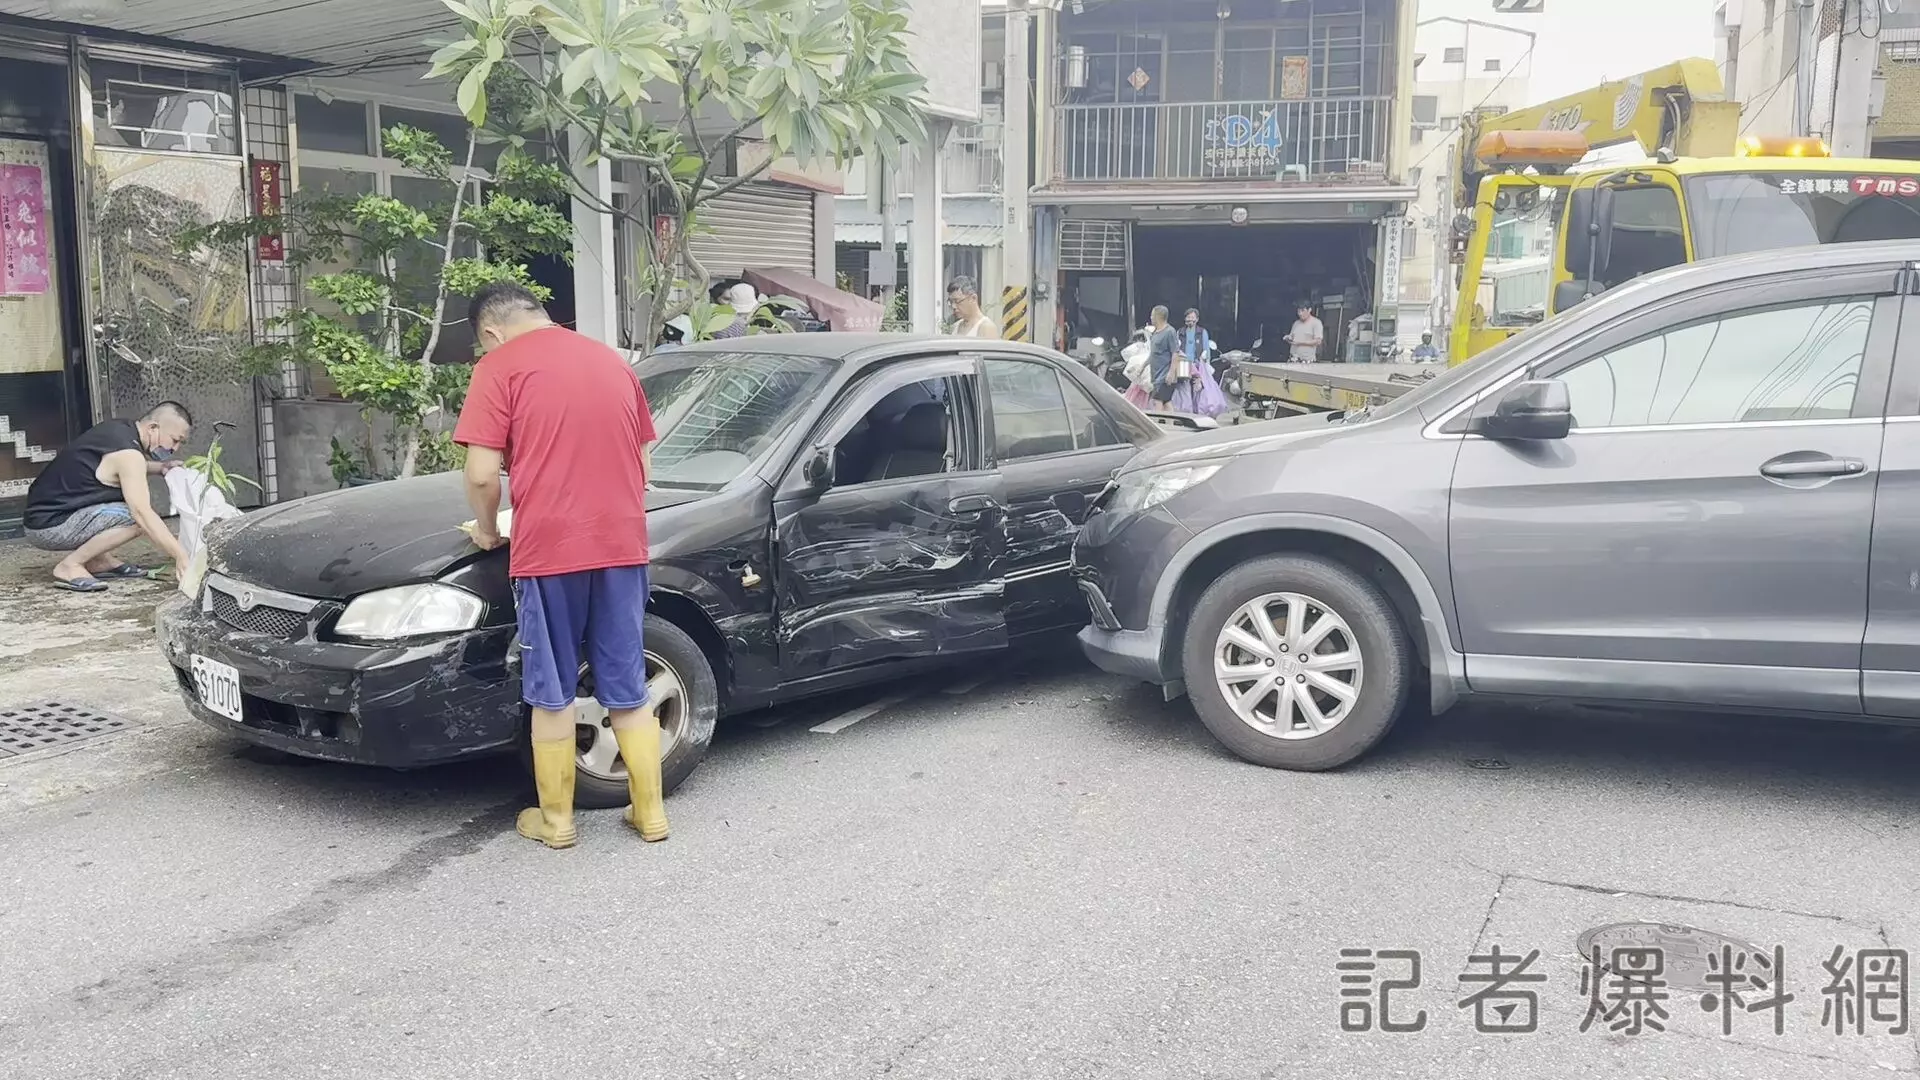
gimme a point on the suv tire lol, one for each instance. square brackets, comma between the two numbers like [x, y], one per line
[685, 734]
[1362, 623]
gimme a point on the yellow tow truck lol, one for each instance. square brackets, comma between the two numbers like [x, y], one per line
[1705, 190]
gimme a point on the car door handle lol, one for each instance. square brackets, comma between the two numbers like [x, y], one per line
[971, 504]
[1826, 466]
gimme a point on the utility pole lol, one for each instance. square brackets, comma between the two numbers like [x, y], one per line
[1853, 80]
[1016, 244]
[926, 291]
[1807, 14]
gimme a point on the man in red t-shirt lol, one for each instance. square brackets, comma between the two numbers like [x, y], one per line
[567, 418]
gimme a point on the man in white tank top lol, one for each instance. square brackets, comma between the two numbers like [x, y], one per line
[968, 319]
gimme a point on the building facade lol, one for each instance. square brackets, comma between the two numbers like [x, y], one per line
[1459, 65]
[1789, 62]
[1237, 157]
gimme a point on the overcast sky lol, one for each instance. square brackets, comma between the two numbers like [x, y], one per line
[1584, 43]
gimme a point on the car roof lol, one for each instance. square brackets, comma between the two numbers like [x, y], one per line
[859, 348]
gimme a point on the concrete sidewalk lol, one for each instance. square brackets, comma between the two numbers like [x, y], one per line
[94, 650]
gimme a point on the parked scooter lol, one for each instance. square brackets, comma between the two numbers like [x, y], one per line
[1102, 357]
[1226, 372]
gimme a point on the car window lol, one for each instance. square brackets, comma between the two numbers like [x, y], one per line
[1786, 363]
[1647, 234]
[716, 414]
[910, 432]
[1092, 426]
[1036, 413]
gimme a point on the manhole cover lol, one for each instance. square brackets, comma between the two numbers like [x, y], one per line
[24, 728]
[1680, 954]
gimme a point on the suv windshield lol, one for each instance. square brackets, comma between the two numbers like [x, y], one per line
[717, 413]
[1761, 211]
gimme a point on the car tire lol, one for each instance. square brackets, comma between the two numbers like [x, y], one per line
[686, 732]
[1364, 624]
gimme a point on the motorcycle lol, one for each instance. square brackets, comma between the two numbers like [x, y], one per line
[1104, 359]
[1226, 372]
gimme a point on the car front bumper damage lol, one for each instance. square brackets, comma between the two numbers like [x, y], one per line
[397, 706]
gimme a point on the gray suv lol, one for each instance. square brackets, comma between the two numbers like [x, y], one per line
[1700, 488]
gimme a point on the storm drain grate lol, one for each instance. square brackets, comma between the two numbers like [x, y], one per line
[25, 728]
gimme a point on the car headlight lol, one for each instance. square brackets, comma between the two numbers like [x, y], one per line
[410, 611]
[1149, 488]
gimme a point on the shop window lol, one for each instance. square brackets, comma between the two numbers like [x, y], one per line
[339, 127]
[143, 107]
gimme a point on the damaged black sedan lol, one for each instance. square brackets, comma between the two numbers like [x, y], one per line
[826, 510]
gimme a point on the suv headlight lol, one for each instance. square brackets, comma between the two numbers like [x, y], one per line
[409, 611]
[1149, 488]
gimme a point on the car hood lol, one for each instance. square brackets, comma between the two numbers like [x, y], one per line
[1233, 441]
[343, 543]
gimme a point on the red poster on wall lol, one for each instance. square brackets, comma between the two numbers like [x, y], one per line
[23, 231]
[266, 203]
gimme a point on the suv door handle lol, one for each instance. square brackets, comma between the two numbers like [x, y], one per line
[1826, 466]
[971, 504]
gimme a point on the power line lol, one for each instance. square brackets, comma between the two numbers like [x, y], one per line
[1460, 129]
[1760, 105]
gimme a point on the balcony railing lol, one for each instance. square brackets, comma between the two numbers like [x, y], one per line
[970, 161]
[1317, 140]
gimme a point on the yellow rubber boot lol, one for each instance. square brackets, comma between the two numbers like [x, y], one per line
[551, 822]
[640, 749]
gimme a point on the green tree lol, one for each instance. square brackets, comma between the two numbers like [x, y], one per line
[813, 79]
[381, 325]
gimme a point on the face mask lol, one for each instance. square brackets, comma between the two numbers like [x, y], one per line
[160, 453]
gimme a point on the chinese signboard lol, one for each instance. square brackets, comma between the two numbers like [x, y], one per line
[23, 230]
[1246, 143]
[266, 203]
[1393, 231]
[1905, 187]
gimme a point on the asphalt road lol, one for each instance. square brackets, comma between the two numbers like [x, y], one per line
[1052, 874]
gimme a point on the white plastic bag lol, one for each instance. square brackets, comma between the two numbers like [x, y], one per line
[1137, 356]
[198, 503]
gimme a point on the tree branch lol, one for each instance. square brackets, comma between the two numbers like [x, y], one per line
[737, 182]
[439, 304]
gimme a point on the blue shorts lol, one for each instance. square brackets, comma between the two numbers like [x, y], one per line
[604, 610]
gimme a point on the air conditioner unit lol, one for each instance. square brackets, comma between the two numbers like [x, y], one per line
[991, 77]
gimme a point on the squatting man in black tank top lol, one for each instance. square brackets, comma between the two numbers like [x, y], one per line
[93, 499]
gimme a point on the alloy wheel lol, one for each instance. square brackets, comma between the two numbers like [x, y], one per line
[599, 752]
[1288, 665]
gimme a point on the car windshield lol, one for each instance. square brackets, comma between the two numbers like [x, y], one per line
[715, 414]
[1762, 211]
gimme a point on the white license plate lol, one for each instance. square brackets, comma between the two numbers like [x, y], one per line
[218, 686]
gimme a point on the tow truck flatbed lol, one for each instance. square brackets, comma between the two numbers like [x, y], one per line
[1276, 389]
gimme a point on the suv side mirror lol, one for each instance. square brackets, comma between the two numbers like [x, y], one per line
[1535, 409]
[818, 470]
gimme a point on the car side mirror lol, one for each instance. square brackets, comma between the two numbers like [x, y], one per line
[1600, 255]
[818, 470]
[1535, 409]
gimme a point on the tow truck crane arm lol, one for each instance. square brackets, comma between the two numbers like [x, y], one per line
[1682, 107]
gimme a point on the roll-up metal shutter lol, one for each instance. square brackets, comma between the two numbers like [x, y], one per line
[760, 226]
